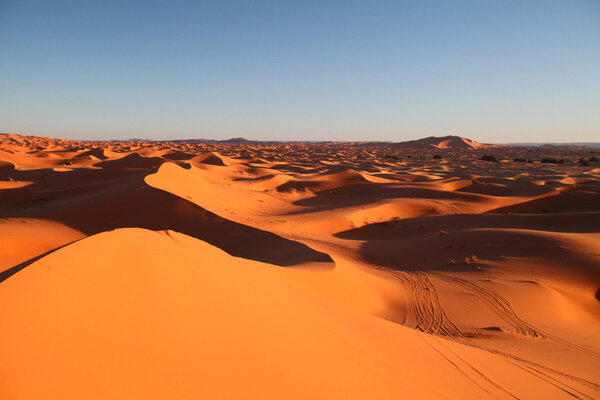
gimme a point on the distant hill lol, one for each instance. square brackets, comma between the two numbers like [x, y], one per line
[443, 142]
[578, 144]
[237, 140]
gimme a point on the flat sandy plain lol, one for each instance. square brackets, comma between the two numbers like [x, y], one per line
[174, 270]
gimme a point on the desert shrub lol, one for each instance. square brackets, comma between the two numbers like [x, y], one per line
[437, 156]
[549, 160]
[561, 161]
[489, 157]
[594, 159]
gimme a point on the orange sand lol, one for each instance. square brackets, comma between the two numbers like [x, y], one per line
[174, 270]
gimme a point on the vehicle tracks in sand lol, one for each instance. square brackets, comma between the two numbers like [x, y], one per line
[497, 303]
[431, 318]
[502, 307]
[429, 314]
[551, 376]
[468, 370]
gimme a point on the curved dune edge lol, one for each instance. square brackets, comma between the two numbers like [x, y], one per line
[138, 314]
[243, 202]
[93, 201]
[190, 186]
[26, 238]
[496, 256]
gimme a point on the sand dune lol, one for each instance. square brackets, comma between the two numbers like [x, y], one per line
[245, 270]
[444, 142]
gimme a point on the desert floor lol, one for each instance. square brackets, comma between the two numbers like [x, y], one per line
[174, 270]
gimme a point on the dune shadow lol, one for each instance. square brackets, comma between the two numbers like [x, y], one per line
[361, 193]
[463, 242]
[7, 273]
[564, 201]
[94, 201]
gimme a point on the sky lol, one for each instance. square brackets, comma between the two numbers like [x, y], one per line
[493, 71]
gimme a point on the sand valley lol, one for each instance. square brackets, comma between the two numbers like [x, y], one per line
[198, 269]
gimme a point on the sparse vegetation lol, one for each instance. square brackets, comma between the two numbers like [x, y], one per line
[525, 160]
[437, 156]
[584, 162]
[550, 161]
[594, 159]
[489, 157]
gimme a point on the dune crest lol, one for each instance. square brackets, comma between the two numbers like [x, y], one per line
[243, 269]
[444, 142]
[145, 278]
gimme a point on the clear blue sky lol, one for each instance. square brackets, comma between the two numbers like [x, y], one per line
[494, 71]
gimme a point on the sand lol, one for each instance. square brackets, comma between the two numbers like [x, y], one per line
[186, 270]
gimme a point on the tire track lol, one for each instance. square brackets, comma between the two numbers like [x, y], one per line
[502, 307]
[538, 370]
[471, 367]
[432, 319]
[498, 304]
[429, 313]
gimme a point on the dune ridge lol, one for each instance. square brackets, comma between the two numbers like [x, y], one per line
[444, 142]
[297, 270]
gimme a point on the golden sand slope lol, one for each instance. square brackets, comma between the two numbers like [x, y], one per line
[178, 270]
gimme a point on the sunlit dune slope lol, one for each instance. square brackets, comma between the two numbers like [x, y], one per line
[138, 314]
[241, 269]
